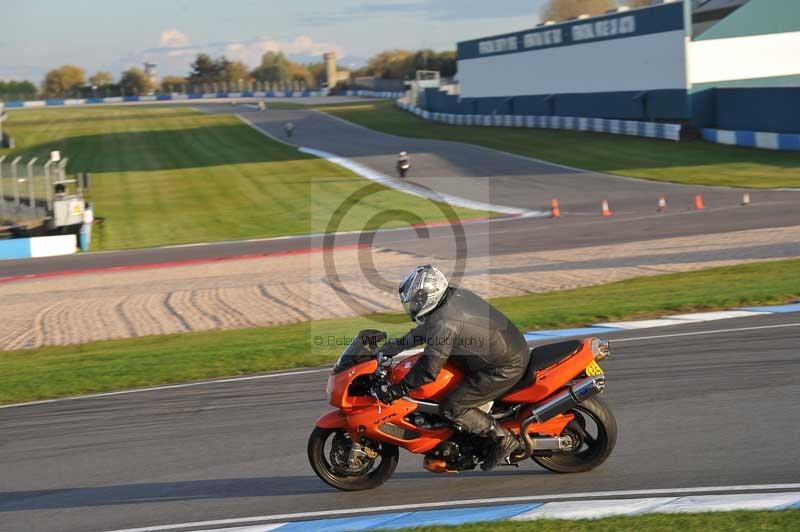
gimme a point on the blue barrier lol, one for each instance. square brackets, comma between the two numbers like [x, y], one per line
[16, 248]
[754, 139]
[56, 102]
[40, 246]
[582, 123]
[375, 94]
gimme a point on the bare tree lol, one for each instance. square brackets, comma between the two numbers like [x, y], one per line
[635, 3]
[564, 9]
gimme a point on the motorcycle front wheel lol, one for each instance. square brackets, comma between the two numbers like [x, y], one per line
[594, 431]
[328, 453]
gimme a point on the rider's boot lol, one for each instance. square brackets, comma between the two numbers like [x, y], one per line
[505, 443]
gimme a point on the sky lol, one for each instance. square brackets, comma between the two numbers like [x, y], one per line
[36, 35]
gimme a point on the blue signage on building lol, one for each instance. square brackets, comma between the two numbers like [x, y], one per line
[656, 19]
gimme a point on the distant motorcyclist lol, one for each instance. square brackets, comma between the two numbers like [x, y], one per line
[456, 324]
[403, 164]
[289, 129]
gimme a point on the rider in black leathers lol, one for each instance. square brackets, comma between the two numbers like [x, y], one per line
[484, 343]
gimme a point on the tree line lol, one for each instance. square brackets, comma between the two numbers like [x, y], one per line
[207, 74]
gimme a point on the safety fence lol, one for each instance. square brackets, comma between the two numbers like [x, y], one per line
[754, 139]
[27, 188]
[375, 94]
[597, 125]
[163, 98]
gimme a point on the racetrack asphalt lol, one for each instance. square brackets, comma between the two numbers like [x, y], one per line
[483, 175]
[695, 407]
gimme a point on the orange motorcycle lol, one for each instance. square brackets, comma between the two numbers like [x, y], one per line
[554, 409]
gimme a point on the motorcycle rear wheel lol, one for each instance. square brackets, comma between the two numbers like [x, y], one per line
[593, 450]
[370, 478]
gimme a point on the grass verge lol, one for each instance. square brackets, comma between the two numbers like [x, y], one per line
[120, 364]
[164, 175]
[728, 521]
[680, 162]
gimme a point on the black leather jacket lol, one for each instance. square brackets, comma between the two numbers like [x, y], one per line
[467, 330]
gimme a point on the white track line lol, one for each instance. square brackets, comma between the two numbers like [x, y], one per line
[320, 370]
[377, 177]
[415, 190]
[468, 502]
[698, 333]
[170, 387]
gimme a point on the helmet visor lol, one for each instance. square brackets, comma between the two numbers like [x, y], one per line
[407, 306]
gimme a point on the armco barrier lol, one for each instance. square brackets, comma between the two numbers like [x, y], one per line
[375, 94]
[597, 125]
[754, 139]
[164, 97]
[40, 246]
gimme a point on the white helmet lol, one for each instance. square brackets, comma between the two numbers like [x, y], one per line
[403, 154]
[422, 290]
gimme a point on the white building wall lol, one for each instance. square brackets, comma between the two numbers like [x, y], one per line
[648, 62]
[740, 58]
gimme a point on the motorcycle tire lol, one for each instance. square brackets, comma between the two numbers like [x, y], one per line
[373, 477]
[597, 449]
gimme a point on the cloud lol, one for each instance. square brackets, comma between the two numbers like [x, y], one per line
[302, 48]
[175, 52]
[173, 38]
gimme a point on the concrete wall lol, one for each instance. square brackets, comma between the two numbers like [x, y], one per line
[642, 65]
[656, 105]
[648, 62]
[775, 109]
[642, 49]
[593, 67]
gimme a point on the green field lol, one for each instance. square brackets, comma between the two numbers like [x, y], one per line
[120, 364]
[681, 162]
[728, 521]
[165, 175]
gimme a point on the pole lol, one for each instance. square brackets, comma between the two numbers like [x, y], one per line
[2, 196]
[16, 182]
[48, 186]
[31, 194]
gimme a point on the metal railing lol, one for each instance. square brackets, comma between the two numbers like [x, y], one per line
[27, 188]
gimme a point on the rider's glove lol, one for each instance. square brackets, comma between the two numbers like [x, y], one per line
[389, 393]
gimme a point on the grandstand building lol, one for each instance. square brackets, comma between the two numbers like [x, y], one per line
[728, 64]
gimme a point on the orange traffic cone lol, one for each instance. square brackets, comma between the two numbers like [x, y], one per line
[555, 211]
[698, 202]
[662, 204]
[606, 210]
[746, 198]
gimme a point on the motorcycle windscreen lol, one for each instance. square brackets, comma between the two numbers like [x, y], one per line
[361, 349]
